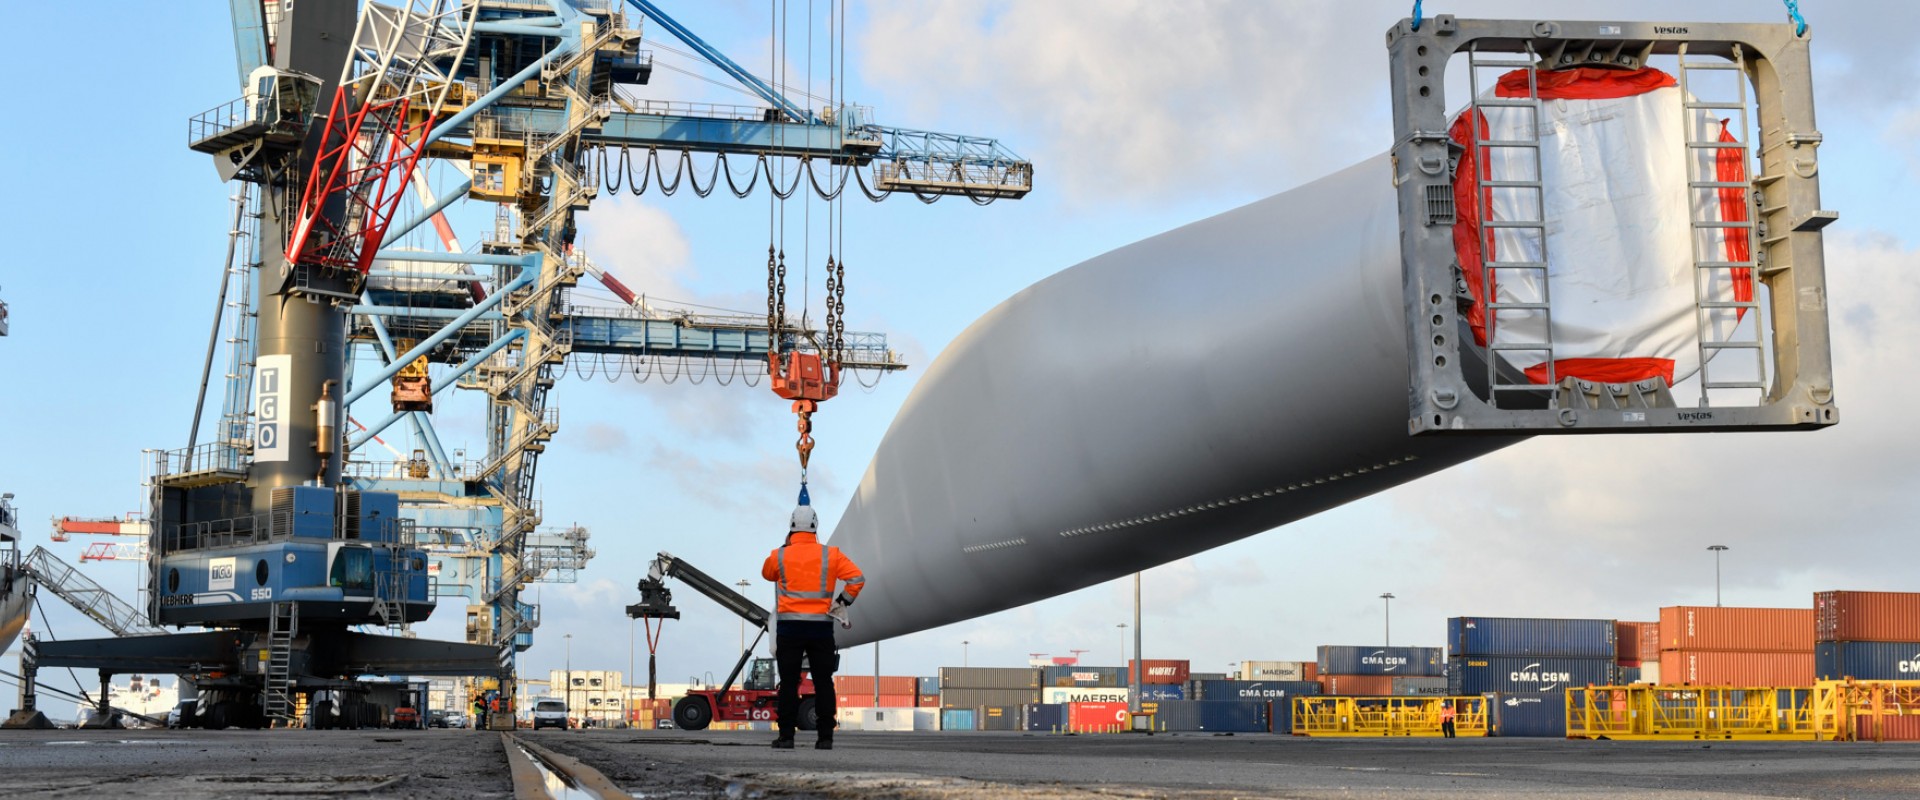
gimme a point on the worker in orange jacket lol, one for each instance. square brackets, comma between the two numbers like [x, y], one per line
[804, 572]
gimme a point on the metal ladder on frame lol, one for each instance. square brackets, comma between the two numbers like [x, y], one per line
[1705, 230]
[283, 625]
[1484, 179]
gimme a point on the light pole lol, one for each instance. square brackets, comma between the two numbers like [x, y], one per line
[1123, 643]
[1717, 550]
[1388, 596]
[569, 638]
[1134, 673]
[744, 586]
[963, 652]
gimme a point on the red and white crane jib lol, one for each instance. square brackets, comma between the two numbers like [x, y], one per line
[391, 92]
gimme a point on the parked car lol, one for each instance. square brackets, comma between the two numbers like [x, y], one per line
[550, 712]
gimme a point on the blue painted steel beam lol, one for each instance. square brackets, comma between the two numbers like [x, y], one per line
[439, 204]
[456, 277]
[662, 338]
[719, 59]
[422, 425]
[445, 380]
[421, 313]
[527, 275]
[564, 46]
[427, 256]
[515, 28]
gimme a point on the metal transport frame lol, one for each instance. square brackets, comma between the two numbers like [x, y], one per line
[1413, 716]
[1795, 387]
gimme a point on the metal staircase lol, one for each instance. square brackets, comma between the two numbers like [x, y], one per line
[283, 626]
[89, 598]
[1722, 239]
[1526, 189]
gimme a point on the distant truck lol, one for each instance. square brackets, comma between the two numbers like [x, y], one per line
[549, 712]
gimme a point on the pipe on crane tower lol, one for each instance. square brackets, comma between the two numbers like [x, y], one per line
[445, 380]
[529, 270]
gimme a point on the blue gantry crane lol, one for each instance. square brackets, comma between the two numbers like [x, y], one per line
[285, 534]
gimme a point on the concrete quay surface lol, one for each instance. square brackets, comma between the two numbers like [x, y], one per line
[738, 765]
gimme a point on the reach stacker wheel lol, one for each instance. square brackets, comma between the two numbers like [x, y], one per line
[692, 713]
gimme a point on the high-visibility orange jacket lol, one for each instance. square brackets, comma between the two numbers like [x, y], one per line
[804, 572]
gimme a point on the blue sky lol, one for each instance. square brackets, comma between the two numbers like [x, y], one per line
[1139, 117]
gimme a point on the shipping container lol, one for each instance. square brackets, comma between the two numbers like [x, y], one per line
[1481, 674]
[989, 678]
[865, 699]
[1406, 687]
[1869, 661]
[1721, 668]
[1535, 714]
[1215, 716]
[1638, 642]
[1097, 717]
[863, 684]
[957, 719]
[1280, 716]
[1275, 670]
[1159, 670]
[1083, 676]
[1531, 637]
[1210, 676]
[1043, 717]
[886, 719]
[1360, 685]
[970, 698]
[1156, 692]
[999, 718]
[928, 685]
[1866, 616]
[1650, 672]
[1629, 675]
[1253, 690]
[1355, 660]
[1759, 630]
[1887, 728]
[1083, 694]
[927, 700]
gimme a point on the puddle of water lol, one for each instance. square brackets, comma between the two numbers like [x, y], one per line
[558, 785]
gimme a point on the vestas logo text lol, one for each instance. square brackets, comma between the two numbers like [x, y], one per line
[1531, 674]
[1669, 29]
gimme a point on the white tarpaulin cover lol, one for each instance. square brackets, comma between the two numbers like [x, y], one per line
[1615, 166]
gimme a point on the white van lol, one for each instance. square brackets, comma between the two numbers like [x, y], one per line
[549, 712]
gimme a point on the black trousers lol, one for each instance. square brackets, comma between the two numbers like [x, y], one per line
[1447, 728]
[821, 661]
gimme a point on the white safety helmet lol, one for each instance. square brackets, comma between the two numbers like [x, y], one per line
[804, 520]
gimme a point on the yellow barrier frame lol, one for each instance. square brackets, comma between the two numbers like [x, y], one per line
[1661, 712]
[1840, 707]
[1414, 716]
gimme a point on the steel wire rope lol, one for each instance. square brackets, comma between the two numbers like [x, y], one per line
[753, 173]
[613, 184]
[807, 162]
[660, 175]
[862, 180]
[637, 186]
[693, 174]
[75, 677]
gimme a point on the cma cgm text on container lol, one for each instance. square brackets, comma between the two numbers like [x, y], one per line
[1528, 636]
[1480, 674]
[1403, 661]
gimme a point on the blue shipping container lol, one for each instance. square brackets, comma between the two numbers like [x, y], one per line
[1867, 661]
[1482, 674]
[1043, 716]
[1213, 716]
[956, 719]
[1253, 690]
[929, 685]
[1514, 636]
[1084, 676]
[1542, 714]
[1351, 660]
[1154, 692]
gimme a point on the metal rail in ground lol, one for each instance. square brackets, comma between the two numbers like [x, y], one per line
[542, 774]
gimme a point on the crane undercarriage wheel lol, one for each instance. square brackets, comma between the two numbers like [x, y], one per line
[692, 713]
[806, 722]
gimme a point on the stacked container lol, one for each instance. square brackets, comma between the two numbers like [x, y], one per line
[1505, 654]
[971, 687]
[1713, 646]
[1278, 691]
[1352, 670]
[1160, 671]
[1867, 636]
[1278, 671]
[1085, 677]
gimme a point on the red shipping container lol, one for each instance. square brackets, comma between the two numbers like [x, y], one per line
[929, 701]
[1162, 671]
[1768, 630]
[845, 699]
[889, 684]
[1724, 668]
[1097, 717]
[1310, 670]
[1866, 616]
[1630, 642]
[1363, 685]
[1890, 729]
